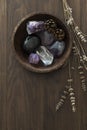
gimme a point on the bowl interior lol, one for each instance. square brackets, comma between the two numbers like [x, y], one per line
[20, 35]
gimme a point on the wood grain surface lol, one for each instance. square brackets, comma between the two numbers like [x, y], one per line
[28, 100]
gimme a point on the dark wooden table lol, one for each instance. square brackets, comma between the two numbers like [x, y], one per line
[27, 100]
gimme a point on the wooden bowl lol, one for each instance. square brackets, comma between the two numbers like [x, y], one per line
[20, 34]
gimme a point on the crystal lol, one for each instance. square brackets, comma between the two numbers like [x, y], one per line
[46, 38]
[34, 58]
[35, 26]
[31, 43]
[45, 55]
[57, 48]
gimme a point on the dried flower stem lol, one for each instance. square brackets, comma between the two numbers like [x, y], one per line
[77, 52]
[80, 68]
[78, 35]
[77, 38]
[70, 21]
[67, 91]
[62, 99]
[82, 77]
[71, 90]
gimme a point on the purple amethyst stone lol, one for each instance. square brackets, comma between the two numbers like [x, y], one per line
[57, 48]
[35, 26]
[34, 58]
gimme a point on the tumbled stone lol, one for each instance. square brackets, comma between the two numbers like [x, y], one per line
[45, 55]
[46, 38]
[57, 48]
[35, 26]
[31, 43]
[34, 58]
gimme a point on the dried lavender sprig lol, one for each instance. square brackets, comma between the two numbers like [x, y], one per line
[80, 34]
[62, 99]
[67, 13]
[75, 29]
[71, 90]
[77, 50]
[74, 33]
[68, 91]
[70, 21]
[81, 70]
[82, 78]
[72, 98]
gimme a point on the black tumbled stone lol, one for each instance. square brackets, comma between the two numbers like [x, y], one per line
[31, 43]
